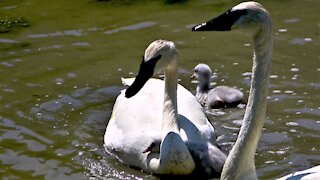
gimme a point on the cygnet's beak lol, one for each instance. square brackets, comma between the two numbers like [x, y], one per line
[148, 149]
[193, 77]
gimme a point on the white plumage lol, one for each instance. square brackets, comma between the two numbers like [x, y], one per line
[253, 19]
[158, 110]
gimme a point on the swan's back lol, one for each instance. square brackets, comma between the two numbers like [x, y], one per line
[146, 107]
[228, 95]
[141, 117]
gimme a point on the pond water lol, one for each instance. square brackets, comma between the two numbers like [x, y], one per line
[61, 69]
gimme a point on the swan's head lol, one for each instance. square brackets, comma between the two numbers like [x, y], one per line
[166, 51]
[159, 55]
[202, 73]
[247, 16]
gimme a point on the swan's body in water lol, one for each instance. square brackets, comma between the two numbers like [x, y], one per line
[218, 97]
[207, 157]
[253, 19]
[154, 109]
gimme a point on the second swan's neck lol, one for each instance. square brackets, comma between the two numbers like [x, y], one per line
[240, 162]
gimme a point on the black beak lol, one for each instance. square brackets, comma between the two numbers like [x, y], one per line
[223, 22]
[145, 73]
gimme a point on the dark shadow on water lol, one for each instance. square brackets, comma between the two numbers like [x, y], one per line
[129, 2]
[174, 1]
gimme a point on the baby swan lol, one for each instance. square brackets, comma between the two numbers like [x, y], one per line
[218, 97]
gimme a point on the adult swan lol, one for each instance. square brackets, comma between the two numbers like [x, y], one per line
[143, 114]
[255, 20]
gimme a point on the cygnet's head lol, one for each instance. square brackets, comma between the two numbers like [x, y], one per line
[247, 16]
[202, 73]
[159, 55]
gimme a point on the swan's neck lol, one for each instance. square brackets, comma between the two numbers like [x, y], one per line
[240, 161]
[175, 157]
[170, 109]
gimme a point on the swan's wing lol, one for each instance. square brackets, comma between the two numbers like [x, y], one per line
[135, 120]
[227, 94]
[128, 147]
[190, 110]
[146, 106]
[134, 123]
[142, 111]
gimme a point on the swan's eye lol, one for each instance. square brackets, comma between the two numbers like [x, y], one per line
[196, 70]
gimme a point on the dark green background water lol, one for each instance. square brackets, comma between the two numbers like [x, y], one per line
[59, 78]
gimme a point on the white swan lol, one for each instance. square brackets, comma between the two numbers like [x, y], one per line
[252, 18]
[154, 109]
[219, 96]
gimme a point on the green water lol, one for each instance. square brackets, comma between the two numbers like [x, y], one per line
[60, 75]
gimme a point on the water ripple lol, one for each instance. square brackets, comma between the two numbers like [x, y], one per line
[72, 32]
[16, 131]
[8, 41]
[311, 111]
[300, 41]
[132, 27]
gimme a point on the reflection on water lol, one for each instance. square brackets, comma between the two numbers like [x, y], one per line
[132, 27]
[60, 77]
[7, 41]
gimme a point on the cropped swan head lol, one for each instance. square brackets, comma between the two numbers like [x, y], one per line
[166, 50]
[159, 55]
[202, 73]
[247, 16]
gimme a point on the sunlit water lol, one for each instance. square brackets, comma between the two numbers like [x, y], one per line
[60, 77]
